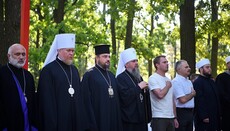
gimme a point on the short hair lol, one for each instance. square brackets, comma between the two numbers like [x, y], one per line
[12, 46]
[157, 60]
[178, 64]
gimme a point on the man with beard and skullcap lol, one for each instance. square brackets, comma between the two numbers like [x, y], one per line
[60, 101]
[100, 85]
[223, 83]
[207, 108]
[17, 93]
[134, 94]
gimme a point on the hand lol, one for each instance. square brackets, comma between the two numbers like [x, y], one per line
[143, 85]
[193, 92]
[168, 84]
[206, 120]
[176, 123]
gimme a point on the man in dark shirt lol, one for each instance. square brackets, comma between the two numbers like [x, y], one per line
[100, 85]
[223, 83]
[60, 100]
[134, 94]
[17, 93]
[207, 111]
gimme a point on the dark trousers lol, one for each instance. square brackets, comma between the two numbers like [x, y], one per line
[225, 120]
[185, 119]
[135, 126]
[162, 124]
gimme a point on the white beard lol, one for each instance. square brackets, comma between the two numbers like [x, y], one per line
[16, 63]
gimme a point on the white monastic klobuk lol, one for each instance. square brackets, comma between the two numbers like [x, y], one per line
[125, 56]
[60, 41]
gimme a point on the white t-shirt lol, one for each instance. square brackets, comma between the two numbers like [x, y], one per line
[181, 87]
[161, 108]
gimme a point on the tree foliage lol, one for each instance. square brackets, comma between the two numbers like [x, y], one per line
[155, 30]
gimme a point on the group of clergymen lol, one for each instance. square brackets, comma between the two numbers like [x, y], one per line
[102, 101]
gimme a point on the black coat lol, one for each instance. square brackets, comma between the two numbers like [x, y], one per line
[11, 115]
[58, 111]
[106, 109]
[134, 101]
[223, 83]
[206, 104]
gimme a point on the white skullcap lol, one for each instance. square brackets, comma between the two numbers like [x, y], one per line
[60, 41]
[227, 59]
[202, 63]
[125, 56]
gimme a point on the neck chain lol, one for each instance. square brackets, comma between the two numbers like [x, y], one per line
[24, 79]
[140, 95]
[130, 78]
[70, 90]
[110, 89]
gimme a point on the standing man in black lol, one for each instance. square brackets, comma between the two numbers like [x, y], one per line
[99, 86]
[134, 94]
[223, 83]
[17, 92]
[207, 107]
[60, 100]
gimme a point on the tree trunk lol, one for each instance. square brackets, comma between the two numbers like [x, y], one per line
[129, 26]
[113, 32]
[150, 62]
[10, 26]
[59, 13]
[187, 33]
[215, 39]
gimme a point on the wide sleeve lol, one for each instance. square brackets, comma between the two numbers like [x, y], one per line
[222, 82]
[87, 99]
[127, 92]
[31, 100]
[47, 102]
[200, 101]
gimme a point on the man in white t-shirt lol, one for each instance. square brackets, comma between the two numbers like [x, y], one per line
[161, 96]
[184, 96]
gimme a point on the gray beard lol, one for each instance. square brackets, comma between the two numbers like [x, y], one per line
[136, 73]
[15, 62]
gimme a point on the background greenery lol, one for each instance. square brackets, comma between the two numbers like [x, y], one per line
[179, 29]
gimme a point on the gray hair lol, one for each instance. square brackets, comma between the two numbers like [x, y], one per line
[12, 46]
[178, 64]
